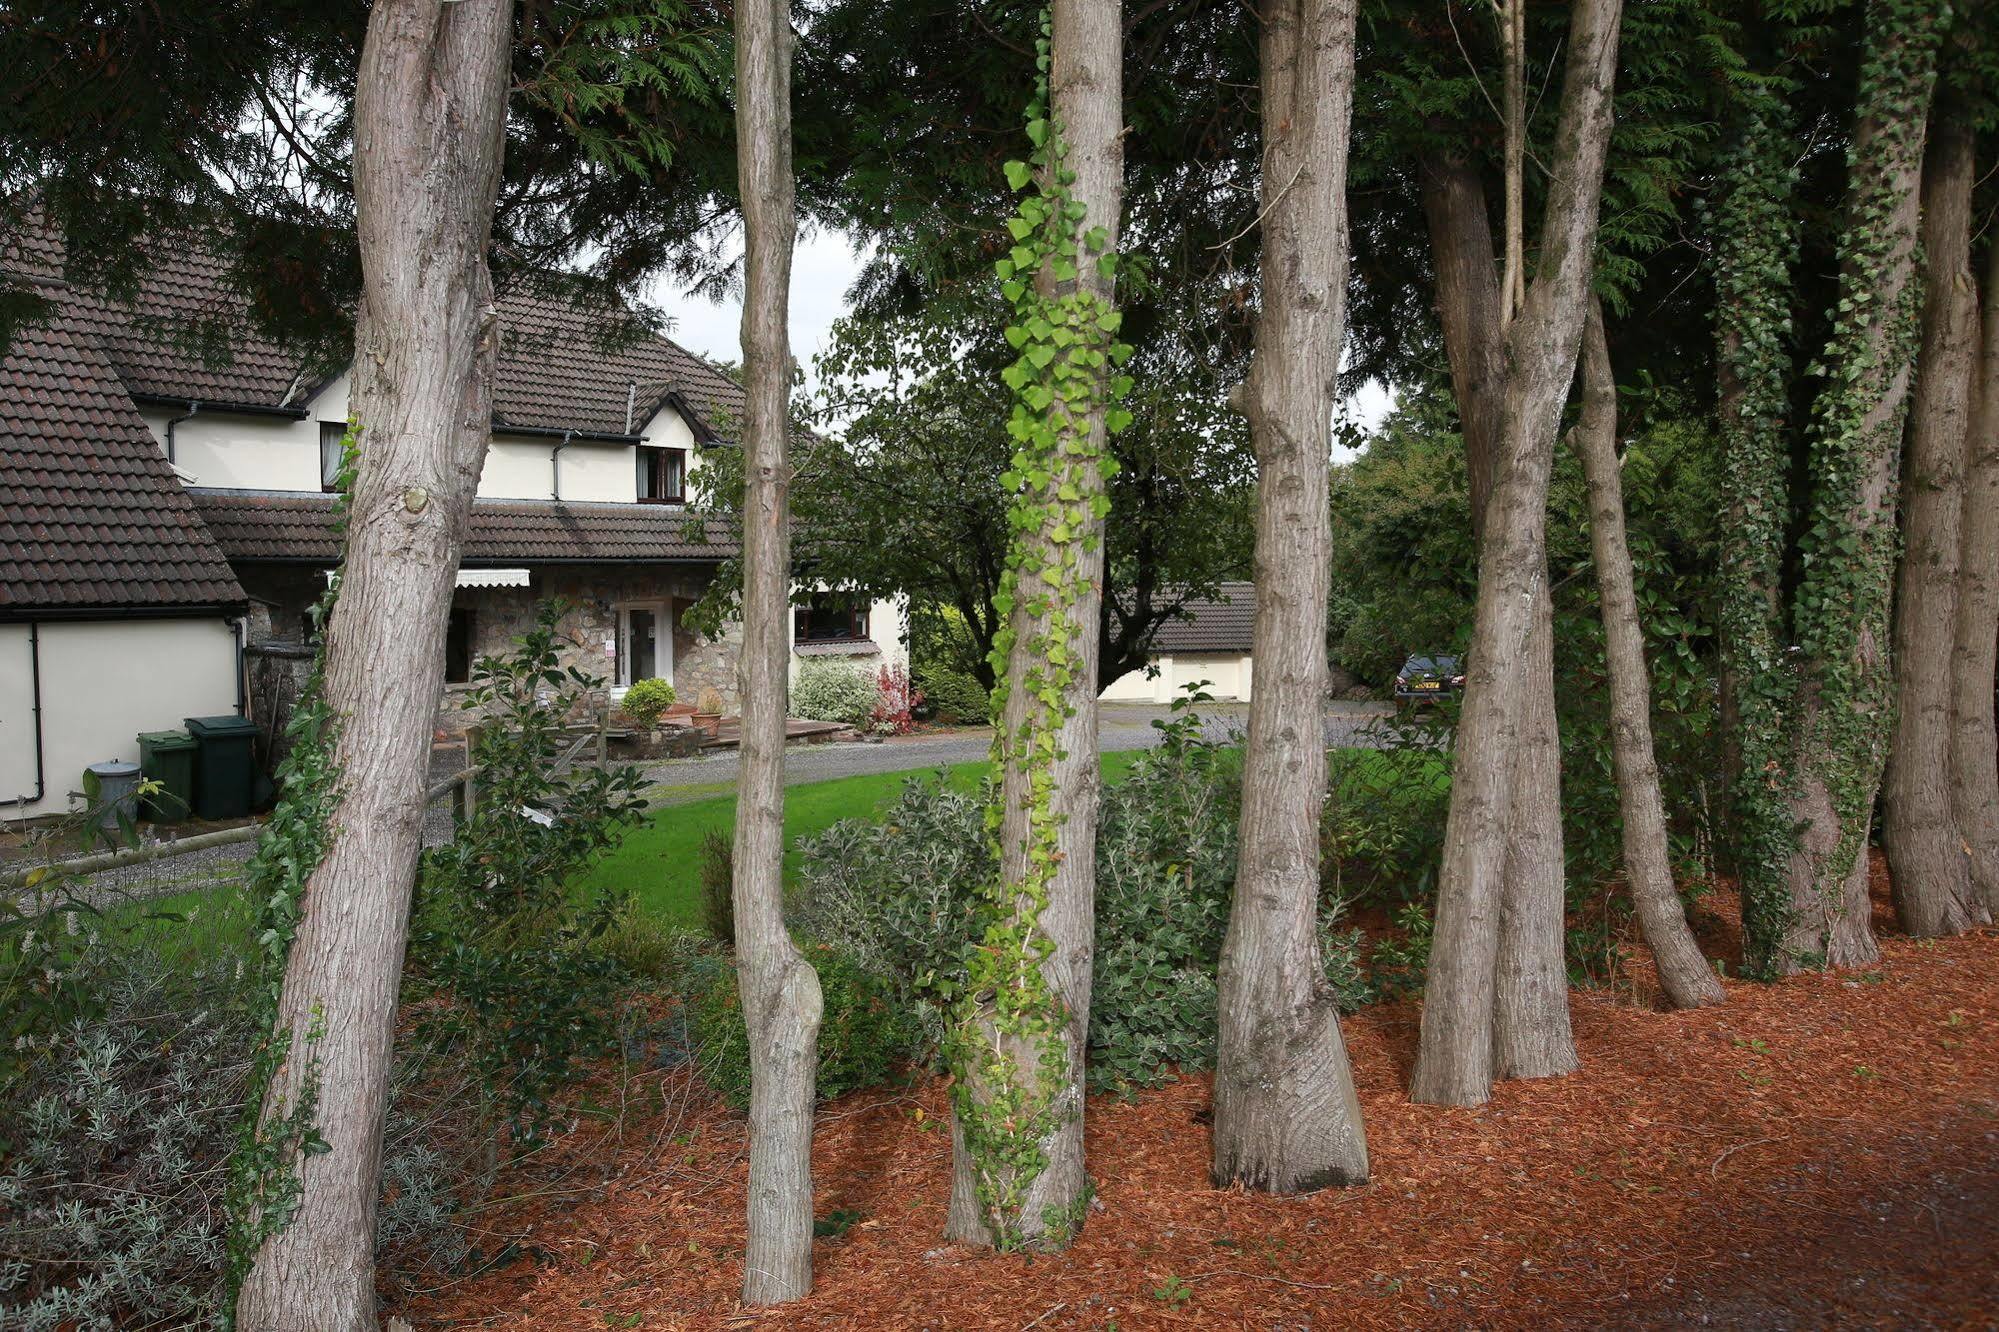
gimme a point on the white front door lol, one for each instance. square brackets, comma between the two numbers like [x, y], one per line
[645, 642]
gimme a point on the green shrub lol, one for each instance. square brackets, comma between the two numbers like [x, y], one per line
[114, 1144]
[834, 692]
[516, 964]
[1381, 833]
[898, 895]
[718, 885]
[865, 1036]
[953, 695]
[646, 702]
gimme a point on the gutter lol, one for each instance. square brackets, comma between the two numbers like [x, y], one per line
[35, 674]
[233, 408]
[549, 432]
[207, 610]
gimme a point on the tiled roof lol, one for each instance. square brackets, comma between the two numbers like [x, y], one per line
[90, 513]
[267, 525]
[150, 340]
[1220, 624]
[556, 369]
[556, 374]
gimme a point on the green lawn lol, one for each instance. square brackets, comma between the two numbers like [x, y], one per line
[660, 861]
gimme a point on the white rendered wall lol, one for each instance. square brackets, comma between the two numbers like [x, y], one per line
[1227, 675]
[247, 452]
[251, 452]
[103, 682]
[888, 630]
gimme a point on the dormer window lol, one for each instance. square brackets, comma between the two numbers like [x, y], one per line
[332, 436]
[662, 476]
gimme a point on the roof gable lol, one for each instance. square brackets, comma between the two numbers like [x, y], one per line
[91, 515]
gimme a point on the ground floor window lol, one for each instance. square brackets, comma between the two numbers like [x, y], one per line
[832, 617]
[458, 652]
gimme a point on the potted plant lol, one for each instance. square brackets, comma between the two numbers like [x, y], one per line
[708, 710]
[646, 702]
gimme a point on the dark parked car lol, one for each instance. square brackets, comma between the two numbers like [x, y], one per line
[1428, 679]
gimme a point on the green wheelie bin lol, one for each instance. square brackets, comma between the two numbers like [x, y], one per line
[225, 777]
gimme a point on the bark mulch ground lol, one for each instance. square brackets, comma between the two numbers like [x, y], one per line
[1819, 1152]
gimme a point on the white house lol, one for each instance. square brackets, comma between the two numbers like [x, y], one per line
[598, 443]
[1210, 647]
[118, 612]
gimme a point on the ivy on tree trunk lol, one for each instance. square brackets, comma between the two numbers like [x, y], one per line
[1838, 727]
[1017, 1046]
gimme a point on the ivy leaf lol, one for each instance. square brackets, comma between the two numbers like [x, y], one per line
[1018, 174]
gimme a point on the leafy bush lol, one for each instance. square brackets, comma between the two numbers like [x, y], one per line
[115, 1137]
[718, 883]
[953, 695]
[115, 1141]
[898, 896]
[519, 962]
[895, 699]
[1381, 833]
[646, 702]
[835, 692]
[865, 1036]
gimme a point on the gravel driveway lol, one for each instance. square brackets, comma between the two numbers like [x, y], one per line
[1121, 726]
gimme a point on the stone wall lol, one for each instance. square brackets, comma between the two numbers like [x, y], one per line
[591, 595]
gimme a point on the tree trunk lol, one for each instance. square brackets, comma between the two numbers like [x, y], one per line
[1845, 709]
[780, 990]
[429, 110]
[1684, 974]
[1531, 1033]
[1926, 855]
[1468, 307]
[1049, 784]
[1974, 741]
[1456, 1056]
[1532, 1025]
[1287, 1117]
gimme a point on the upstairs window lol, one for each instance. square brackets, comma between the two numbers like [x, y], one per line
[832, 617]
[332, 434]
[662, 476]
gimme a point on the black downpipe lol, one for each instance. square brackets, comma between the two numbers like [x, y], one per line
[193, 406]
[35, 675]
[242, 688]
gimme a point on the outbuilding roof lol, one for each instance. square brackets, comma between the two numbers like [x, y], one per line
[1221, 623]
[91, 515]
[288, 526]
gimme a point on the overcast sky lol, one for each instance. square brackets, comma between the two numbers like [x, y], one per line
[822, 270]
